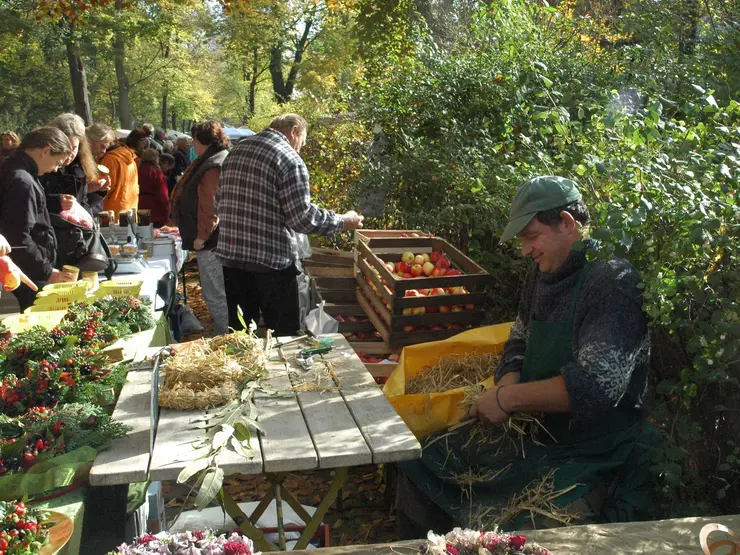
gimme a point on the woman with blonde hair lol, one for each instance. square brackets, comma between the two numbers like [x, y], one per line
[71, 181]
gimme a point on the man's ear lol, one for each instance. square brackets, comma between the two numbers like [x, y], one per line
[568, 222]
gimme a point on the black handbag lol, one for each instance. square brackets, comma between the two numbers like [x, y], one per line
[82, 247]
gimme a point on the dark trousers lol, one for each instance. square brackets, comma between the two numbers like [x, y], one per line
[274, 294]
[25, 295]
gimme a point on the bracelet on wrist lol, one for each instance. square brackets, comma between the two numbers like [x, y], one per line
[498, 401]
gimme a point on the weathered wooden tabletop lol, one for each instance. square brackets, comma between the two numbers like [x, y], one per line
[331, 426]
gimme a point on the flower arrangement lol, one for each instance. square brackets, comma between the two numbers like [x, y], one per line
[471, 542]
[41, 434]
[189, 543]
[22, 531]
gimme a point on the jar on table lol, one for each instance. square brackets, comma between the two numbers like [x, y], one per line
[145, 217]
[123, 218]
[105, 218]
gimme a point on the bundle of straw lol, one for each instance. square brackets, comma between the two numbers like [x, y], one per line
[454, 371]
[208, 373]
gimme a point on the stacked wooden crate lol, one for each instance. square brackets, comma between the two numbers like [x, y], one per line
[412, 310]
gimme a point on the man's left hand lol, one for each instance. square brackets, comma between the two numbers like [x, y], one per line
[198, 244]
[487, 409]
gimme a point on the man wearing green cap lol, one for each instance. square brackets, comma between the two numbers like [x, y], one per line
[577, 357]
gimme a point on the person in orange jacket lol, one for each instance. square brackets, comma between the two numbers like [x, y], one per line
[124, 173]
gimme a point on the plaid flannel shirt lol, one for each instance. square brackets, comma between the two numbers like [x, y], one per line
[263, 197]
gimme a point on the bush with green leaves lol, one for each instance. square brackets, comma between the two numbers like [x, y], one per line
[657, 156]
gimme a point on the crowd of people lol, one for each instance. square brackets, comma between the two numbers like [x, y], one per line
[240, 222]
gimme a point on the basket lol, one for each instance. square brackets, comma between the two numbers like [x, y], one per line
[58, 300]
[64, 286]
[119, 288]
[22, 322]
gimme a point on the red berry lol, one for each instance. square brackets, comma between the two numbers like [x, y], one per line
[3, 544]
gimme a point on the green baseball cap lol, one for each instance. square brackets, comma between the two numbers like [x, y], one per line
[536, 195]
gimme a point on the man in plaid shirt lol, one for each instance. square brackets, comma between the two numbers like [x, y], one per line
[263, 199]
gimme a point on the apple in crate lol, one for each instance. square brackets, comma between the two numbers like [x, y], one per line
[443, 262]
[390, 267]
[408, 329]
[438, 272]
[426, 257]
[412, 293]
[419, 310]
[436, 292]
[432, 309]
[438, 328]
[453, 272]
[428, 268]
[407, 275]
[416, 270]
[408, 257]
[459, 290]
[405, 267]
[419, 259]
[445, 308]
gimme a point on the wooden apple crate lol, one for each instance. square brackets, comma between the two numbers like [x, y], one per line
[375, 252]
[323, 258]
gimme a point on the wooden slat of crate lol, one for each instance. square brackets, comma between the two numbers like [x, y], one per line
[366, 235]
[335, 282]
[330, 271]
[402, 339]
[339, 296]
[374, 347]
[348, 309]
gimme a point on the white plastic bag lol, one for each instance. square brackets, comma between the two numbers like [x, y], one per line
[78, 215]
[319, 322]
[304, 297]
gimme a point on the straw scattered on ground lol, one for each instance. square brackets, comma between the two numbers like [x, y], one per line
[454, 371]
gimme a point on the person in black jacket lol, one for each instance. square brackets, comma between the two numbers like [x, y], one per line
[76, 172]
[182, 156]
[24, 217]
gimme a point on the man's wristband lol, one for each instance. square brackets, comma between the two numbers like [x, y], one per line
[498, 401]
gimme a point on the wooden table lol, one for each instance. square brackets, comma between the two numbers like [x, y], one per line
[340, 426]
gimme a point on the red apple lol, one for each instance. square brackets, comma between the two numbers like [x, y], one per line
[404, 234]
[443, 262]
[437, 328]
[405, 267]
[351, 319]
[453, 272]
[459, 290]
[408, 257]
[423, 292]
[339, 318]
[469, 307]
[445, 308]
[360, 353]
[436, 291]
[407, 275]
[434, 257]
[408, 329]
[412, 293]
[416, 270]
[397, 267]
[439, 272]
[428, 268]
[432, 309]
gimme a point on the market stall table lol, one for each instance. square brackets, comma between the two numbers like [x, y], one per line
[348, 425]
[679, 536]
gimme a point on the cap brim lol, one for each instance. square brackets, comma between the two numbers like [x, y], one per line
[515, 227]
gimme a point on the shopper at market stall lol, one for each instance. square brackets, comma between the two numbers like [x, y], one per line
[100, 137]
[9, 142]
[71, 179]
[167, 163]
[124, 173]
[193, 210]
[150, 138]
[182, 156]
[578, 353]
[24, 218]
[153, 194]
[264, 197]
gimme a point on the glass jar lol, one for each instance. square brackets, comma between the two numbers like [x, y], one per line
[123, 218]
[145, 217]
[105, 218]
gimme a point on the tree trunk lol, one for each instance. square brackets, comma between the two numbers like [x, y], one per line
[165, 93]
[79, 81]
[174, 121]
[282, 87]
[253, 81]
[119, 48]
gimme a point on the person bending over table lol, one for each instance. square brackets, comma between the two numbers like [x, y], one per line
[263, 199]
[577, 356]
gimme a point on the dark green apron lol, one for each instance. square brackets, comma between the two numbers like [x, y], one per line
[587, 455]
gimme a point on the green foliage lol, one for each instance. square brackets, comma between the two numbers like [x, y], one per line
[657, 151]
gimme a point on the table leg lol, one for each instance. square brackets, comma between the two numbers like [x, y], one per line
[248, 528]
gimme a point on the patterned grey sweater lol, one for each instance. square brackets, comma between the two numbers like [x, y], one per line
[611, 343]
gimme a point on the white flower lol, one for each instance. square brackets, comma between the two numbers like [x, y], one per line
[437, 544]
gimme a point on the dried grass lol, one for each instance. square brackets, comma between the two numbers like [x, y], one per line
[537, 499]
[208, 373]
[454, 371]
[519, 429]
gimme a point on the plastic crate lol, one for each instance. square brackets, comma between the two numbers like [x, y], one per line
[22, 322]
[119, 288]
[58, 300]
[64, 286]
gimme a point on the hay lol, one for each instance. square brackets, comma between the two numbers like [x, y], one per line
[454, 371]
[536, 499]
[209, 373]
[519, 429]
